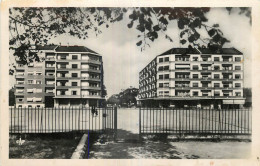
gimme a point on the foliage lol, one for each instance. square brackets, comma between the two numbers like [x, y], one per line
[11, 97]
[35, 26]
[124, 98]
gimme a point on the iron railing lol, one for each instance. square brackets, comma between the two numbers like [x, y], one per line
[62, 119]
[195, 121]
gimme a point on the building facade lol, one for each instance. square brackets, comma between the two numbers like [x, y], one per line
[68, 76]
[193, 77]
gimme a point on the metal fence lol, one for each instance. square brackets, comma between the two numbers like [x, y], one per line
[195, 121]
[59, 119]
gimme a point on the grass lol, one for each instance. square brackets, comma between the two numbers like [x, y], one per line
[43, 147]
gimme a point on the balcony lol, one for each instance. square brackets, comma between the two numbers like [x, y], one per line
[50, 85]
[94, 70]
[50, 59]
[91, 79]
[91, 87]
[50, 68]
[65, 87]
[19, 76]
[49, 94]
[49, 77]
[19, 93]
[19, 67]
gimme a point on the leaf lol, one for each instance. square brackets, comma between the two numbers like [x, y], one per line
[183, 32]
[139, 43]
[211, 32]
[130, 25]
[183, 41]
[140, 27]
[156, 28]
[216, 25]
[191, 38]
[196, 35]
[217, 38]
[163, 20]
[197, 22]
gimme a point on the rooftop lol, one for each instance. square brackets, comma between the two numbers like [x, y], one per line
[181, 51]
[223, 51]
[74, 49]
[58, 48]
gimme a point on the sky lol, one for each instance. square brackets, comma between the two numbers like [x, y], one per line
[123, 60]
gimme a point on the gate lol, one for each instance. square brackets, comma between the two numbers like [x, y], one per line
[195, 121]
[62, 119]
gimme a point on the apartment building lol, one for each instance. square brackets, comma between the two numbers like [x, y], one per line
[193, 77]
[68, 76]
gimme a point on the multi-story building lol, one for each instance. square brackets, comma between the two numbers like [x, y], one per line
[68, 76]
[193, 77]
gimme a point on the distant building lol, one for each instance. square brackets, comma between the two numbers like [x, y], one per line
[193, 77]
[69, 76]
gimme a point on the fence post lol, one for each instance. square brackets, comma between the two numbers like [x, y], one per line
[140, 121]
[115, 123]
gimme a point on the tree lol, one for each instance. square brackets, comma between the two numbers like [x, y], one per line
[11, 97]
[35, 26]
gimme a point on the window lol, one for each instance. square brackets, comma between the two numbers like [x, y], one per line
[74, 84]
[195, 58]
[225, 76]
[160, 93]
[160, 76]
[166, 59]
[38, 73]
[217, 85]
[38, 82]
[74, 74]
[238, 93]
[160, 68]
[62, 66]
[166, 93]
[62, 57]
[166, 76]
[74, 92]
[237, 76]
[160, 85]
[216, 67]
[216, 75]
[30, 81]
[195, 67]
[195, 84]
[237, 67]
[195, 76]
[30, 64]
[74, 66]
[204, 85]
[166, 85]
[160, 59]
[216, 93]
[166, 68]
[62, 92]
[237, 85]
[195, 93]
[74, 56]
[226, 85]
[20, 99]
[205, 94]
[30, 73]
[216, 58]
[237, 59]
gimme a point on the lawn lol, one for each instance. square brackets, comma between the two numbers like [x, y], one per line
[43, 147]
